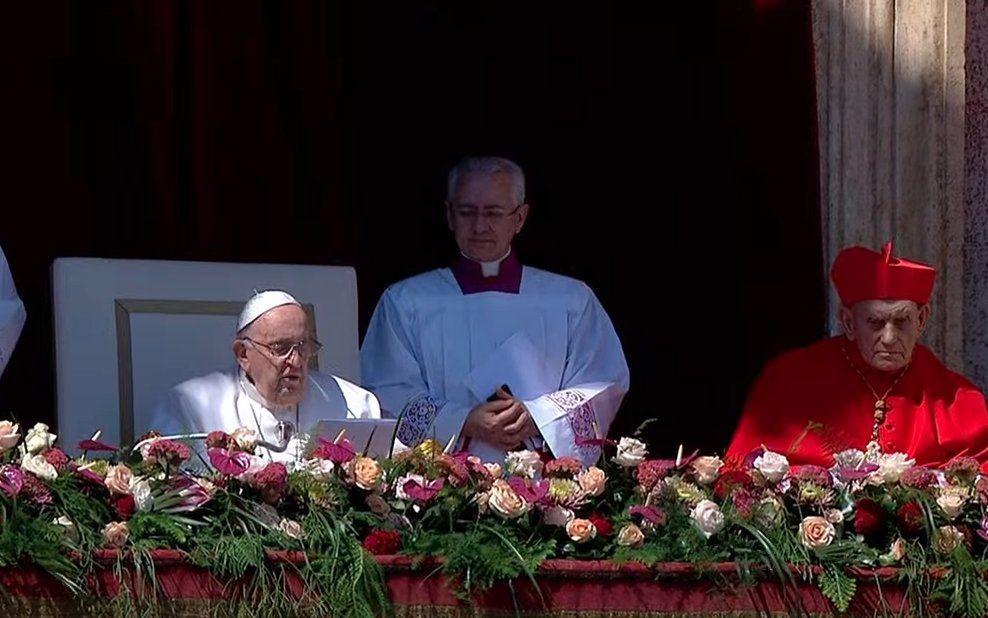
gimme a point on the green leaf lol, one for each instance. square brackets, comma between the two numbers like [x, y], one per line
[839, 587]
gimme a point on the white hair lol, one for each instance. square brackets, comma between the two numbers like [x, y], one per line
[489, 166]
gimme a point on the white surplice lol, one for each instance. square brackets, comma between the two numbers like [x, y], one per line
[432, 353]
[12, 313]
[226, 400]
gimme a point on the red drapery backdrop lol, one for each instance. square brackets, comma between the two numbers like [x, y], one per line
[670, 150]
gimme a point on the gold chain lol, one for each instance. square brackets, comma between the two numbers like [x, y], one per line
[881, 403]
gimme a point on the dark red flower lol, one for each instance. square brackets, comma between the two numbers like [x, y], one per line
[382, 542]
[35, 491]
[271, 481]
[729, 481]
[219, 439]
[869, 517]
[124, 506]
[57, 458]
[910, 518]
[651, 471]
[918, 477]
[602, 524]
[96, 445]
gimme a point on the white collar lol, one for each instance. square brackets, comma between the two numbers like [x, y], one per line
[251, 391]
[489, 269]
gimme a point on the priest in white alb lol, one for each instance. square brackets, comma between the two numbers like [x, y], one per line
[272, 390]
[489, 354]
[12, 313]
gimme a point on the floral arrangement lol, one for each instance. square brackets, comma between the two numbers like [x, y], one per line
[226, 506]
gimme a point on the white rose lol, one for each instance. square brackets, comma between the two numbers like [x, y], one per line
[319, 469]
[706, 469]
[890, 468]
[557, 516]
[245, 438]
[773, 466]
[952, 503]
[850, 458]
[140, 488]
[708, 517]
[630, 452]
[39, 467]
[39, 439]
[523, 463]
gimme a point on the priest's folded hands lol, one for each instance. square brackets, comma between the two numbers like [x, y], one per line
[504, 422]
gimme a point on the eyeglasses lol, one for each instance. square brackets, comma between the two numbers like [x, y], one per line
[469, 214]
[283, 349]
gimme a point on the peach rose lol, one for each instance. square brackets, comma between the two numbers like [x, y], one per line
[947, 539]
[816, 532]
[592, 481]
[116, 533]
[366, 473]
[9, 435]
[506, 502]
[581, 530]
[118, 479]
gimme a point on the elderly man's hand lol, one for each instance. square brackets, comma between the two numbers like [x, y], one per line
[505, 423]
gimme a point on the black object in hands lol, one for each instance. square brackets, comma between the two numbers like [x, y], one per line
[495, 397]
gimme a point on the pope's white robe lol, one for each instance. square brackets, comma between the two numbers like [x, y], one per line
[226, 400]
[432, 353]
[12, 313]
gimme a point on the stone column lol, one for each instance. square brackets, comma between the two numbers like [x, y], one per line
[976, 195]
[890, 95]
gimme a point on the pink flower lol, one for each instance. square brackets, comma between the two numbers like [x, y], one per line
[338, 453]
[230, 463]
[116, 533]
[11, 480]
[96, 445]
[651, 514]
[422, 492]
[167, 453]
[531, 492]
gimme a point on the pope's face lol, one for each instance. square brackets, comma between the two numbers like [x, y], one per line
[483, 215]
[885, 331]
[281, 381]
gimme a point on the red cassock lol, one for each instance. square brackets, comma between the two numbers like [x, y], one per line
[810, 403]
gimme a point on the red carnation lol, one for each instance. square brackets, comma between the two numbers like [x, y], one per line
[57, 458]
[382, 542]
[729, 481]
[167, 453]
[910, 518]
[271, 481]
[124, 506]
[35, 491]
[602, 524]
[650, 472]
[869, 517]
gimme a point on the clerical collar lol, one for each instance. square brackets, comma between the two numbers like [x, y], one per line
[502, 275]
[251, 391]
